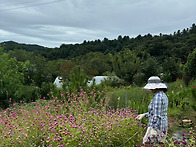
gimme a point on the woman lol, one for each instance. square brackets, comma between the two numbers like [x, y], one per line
[157, 115]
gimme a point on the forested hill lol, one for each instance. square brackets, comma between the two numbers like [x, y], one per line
[11, 45]
[178, 44]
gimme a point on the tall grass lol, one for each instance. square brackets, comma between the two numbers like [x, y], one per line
[134, 97]
[180, 98]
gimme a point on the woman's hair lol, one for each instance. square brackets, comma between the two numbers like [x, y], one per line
[163, 89]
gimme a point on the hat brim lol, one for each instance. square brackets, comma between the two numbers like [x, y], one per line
[150, 86]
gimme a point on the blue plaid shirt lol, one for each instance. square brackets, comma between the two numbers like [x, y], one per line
[157, 114]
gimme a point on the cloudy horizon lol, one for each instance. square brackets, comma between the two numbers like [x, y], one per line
[51, 23]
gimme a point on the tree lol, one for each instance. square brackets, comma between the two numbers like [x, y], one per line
[65, 69]
[189, 67]
[24, 56]
[77, 80]
[171, 69]
[39, 70]
[95, 63]
[126, 64]
[150, 67]
[11, 79]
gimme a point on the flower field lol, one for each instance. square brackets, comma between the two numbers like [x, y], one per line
[82, 119]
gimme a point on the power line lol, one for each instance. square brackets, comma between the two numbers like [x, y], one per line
[19, 3]
[4, 10]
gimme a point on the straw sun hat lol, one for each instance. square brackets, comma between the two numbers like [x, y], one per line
[155, 82]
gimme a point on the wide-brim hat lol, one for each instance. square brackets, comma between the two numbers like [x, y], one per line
[155, 82]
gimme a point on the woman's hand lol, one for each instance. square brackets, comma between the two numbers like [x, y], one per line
[139, 117]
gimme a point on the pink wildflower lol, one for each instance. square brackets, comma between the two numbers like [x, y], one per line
[74, 126]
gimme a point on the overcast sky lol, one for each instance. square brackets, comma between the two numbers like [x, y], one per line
[51, 23]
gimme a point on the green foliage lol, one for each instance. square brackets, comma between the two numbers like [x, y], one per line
[30, 93]
[11, 45]
[170, 70]
[39, 70]
[139, 79]
[11, 79]
[193, 91]
[77, 80]
[42, 72]
[95, 63]
[180, 98]
[126, 64]
[112, 81]
[97, 57]
[133, 60]
[65, 69]
[177, 45]
[148, 68]
[190, 66]
[46, 88]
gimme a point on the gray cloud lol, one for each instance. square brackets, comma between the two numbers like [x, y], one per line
[73, 21]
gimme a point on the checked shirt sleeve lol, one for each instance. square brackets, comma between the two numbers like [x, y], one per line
[156, 111]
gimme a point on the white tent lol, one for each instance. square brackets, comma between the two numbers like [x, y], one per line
[58, 82]
[99, 79]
